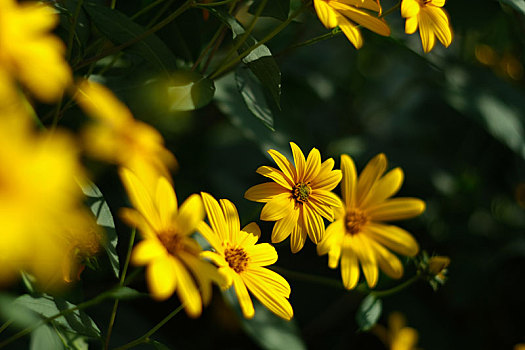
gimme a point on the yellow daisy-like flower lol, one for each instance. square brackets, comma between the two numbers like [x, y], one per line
[300, 196]
[398, 336]
[116, 136]
[432, 20]
[171, 255]
[242, 261]
[358, 234]
[29, 52]
[345, 13]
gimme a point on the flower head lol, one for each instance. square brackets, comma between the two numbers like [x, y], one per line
[344, 13]
[398, 336]
[171, 255]
[116, 136]
[299, 197]
[432, 20]
[358, 234]
[242, 261]
[29, 52]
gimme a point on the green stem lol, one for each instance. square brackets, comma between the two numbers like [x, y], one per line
[208, 47]
[396, 289]
[5, 325]
[145, 338]
[185, 6]
[213, 4]
[121, 283]
[146, 9]
[72, 29]
[160, 13]
[96, 300]
[277, 30]
[113, 4]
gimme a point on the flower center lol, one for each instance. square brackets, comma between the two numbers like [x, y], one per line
[171, 241]
[236, 258]
[301, 191]
[354, 221]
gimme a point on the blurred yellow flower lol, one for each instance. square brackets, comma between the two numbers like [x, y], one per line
[345, 13]
[397, 336]
[242, 261]
[29, 52]
[357, 235]
[432, 20]
[171, 255]
[116, 136]
[40, 202]
[300, 196]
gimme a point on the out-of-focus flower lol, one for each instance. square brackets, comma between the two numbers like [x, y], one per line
[242, 261]
[299, 197]
[116, 136]
[347, 14]
[431, 19]
[171, 255]
[358, 235]
[519, 346]
[29, 52]
[41, 207]
[398, 336]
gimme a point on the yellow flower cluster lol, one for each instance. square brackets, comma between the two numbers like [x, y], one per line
[348, 15]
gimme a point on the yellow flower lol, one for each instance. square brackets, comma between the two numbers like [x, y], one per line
[397, 336]
[171, 255]
[344, 13]
[242, 261]
[40, 202]
[116, 136]
[300, 196]
[358, 236]
[29, 53]
[432, 21]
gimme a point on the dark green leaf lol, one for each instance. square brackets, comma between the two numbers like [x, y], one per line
[45, 337]
[20, 316]
[100, 209]
[126, 293]
[260, 60]
[516, 4]
[118, 28]
[159, 346]
[368, 312]
[278, 9]
[46, 306]
[253, 96]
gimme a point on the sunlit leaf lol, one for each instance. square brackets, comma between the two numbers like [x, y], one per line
[253, 96]
[368, 312]
[516, 4]
[126, 293]
[44, 338]
[20, 317]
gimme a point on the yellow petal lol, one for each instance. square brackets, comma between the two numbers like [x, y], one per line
[321, 209]
[326, 198]
[388, 262]
[191, 212]
[244, 298]
[326, 14]
[135, 219]
[349, 182]
[327, 178]
[409, 8]
[333, 237]
[396, 209]
[384, 188]
[205, 273]
[166, 201]
[349, 268]
[350, 31]
[373, 171]
[271, 279]
[232, 219]
[162, 277]
[285, 165]
[298, 237]
[284, 227]
[367, 258]
[279, 207]
[146, 251]
[215, 216]
[187, 290]
[253, 232]
[264, 192]
[217, 259]
[367, 4]
[440, 24]
[393, 237]
[411, 25]
[276, 175]
[300, 163]
[373, 23]
[313, 165]
[437, 3]
[262, 254]
[426, 31]
[210, 236]
[268, 296]
[333, 257]
[313, 223]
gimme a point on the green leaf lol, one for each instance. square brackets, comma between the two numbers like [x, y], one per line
[268, 330]
[46, 306]
[159, 346]
[278, 9]
[260, 60]
[45, 338]
[368, 312]
[126, 293]
[253, 96]
[516, 4]
[20, 317]
[118, 28]
[100, 209]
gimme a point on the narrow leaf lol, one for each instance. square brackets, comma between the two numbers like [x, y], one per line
[368, 312]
